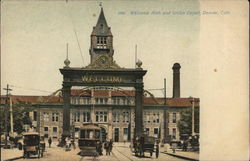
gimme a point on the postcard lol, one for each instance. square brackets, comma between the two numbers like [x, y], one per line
[125, 80]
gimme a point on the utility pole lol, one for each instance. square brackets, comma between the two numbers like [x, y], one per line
[193, 133]
[165, 122]
[11, 119]
[6, 114]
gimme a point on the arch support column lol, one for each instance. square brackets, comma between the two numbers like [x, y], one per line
[66, 110]
[138, 109]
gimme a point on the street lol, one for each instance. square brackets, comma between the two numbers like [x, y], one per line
[120, 152]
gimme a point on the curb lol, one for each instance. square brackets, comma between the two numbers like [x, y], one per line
[14, 158]
[179, 156]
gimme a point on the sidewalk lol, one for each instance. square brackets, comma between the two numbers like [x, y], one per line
[11, 154]
[180, 154]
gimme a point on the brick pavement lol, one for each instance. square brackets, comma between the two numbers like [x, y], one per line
[121, 152]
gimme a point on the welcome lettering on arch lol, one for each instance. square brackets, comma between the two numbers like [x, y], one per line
[109, 79]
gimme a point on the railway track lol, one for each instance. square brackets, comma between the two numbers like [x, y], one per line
[89, 158]
[121, 154]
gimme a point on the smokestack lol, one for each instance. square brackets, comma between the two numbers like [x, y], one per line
[176, 80]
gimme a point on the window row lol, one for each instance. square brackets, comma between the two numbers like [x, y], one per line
[80, 100]
[152, 118]
[76, 116]
[54, 118]
[101, 42]
[122, 101]
[114, 100]
[48, 134]
[125, 116]
[156, 132]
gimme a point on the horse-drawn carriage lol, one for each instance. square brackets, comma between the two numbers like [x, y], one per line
[89, 139]
[144, 144]
[32, 145]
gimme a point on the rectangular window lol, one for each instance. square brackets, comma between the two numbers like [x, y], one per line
[35, 115]
[105, 100]
[46, 116]
[77, 116]
[158, 118]
[125, 134]
[116, 116]
[73, 100]
[154, 118]
[86, 116]
[101, 116]
[46, 129]
[148, 117]
[55, 117]
[101, 101]
[96, 101]
[147, 131]
[156, 131]
[81, 100]
[101, 42]
[174, 117]
[125, 116]
[54, 129]
[174, 133]
[54, 134]
[113, 101]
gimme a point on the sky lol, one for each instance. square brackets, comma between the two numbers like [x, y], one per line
[35, 34]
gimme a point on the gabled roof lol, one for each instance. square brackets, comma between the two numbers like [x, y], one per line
[147, 101]
[16, 99]
[173, 102]
[101, 28]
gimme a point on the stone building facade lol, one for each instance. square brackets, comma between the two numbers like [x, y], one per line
[114, 113]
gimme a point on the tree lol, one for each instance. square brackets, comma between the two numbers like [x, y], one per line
[185, 122]
[20, 117]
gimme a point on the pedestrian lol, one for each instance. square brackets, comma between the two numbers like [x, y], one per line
[68, 144]
[99, 147]
[174, 146]
[110, 146]
[106, 147]
[73, 143]
[50, 141]
[184, 146]
[157, 150]
[141, 143]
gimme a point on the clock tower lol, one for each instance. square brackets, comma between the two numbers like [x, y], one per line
[101, 45]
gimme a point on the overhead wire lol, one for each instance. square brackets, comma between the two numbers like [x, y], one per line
[70, 17]
[31, 89]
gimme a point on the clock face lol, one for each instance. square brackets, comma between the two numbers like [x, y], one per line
[103, 61]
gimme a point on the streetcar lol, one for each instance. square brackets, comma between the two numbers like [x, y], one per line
[89, 139]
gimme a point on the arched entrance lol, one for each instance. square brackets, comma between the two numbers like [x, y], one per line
[103, 134]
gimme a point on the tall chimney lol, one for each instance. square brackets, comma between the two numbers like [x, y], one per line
[176, 80]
